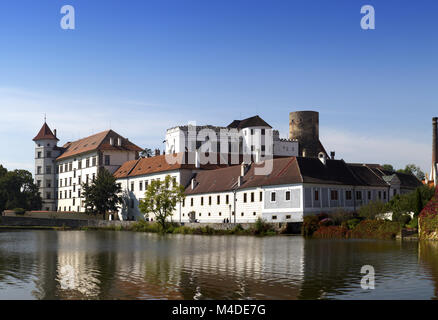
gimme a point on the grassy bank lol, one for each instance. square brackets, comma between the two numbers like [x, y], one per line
[260, 228]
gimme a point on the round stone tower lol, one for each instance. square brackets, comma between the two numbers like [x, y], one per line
[304, 127]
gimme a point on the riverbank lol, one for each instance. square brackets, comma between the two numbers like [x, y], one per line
[260, 228]
[321, 227]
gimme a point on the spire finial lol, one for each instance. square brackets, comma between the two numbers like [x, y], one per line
[45, 118]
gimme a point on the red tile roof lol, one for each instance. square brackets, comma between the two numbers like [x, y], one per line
[144, 166]
[99, 141]
[45, 133]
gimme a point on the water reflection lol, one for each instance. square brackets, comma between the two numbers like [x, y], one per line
[124, 265]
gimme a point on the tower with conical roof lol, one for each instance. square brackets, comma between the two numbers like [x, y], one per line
[46, 152]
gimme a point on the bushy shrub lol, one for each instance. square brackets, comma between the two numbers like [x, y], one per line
[261, 227]
[19, 211]
[310, 225]
[376, 229]
[413, 224]
[352, 223]
[331, 232]
[402, 218]
[372, 209]
[340, 215]
[326, 222]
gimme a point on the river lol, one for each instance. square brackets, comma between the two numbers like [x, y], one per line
[127, 265]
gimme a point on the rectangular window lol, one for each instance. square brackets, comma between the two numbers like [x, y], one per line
[132, 186]
[380, 195]
[209, 200]
[79, 180]
[39, 183]
[384, 195]
[252, 196]
[48, 183]
[287, 217]
[38, 170]
[87, 162]
[107, 160]
[70, 166]
[79, 164]
[49, 154]
[66, 167]
[334, 194]
[86, 178]
[70, 181]
[49, 169]
[184, 202]
[316, 195]
[227, 199]
[242, 214]
[218, 199]
[48, 195]
[261, 195]
[263, 132]
[274, 217]
[272, 196]
[94, 161]
[39, 154]
[140, 186]
[69, 193]
[191, 202]
[369, 195]
[348, 195]
[202, 201]
[244, 197]
[358, 195]
[74, 173]
[146, 183]
[60, 194]
[287, 195]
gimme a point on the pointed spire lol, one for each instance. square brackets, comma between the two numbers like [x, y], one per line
[45, 133]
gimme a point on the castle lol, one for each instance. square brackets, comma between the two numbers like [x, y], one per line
[302, 179]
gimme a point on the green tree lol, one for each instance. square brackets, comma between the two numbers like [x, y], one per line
[102, 195]
[414, 170]
[388, 167]
[18, 190]
[372, 209]
[161, 198]
[418, 202]
[146, 153]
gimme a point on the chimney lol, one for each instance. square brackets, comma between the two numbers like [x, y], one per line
[197, 159]
[434, 142]
[322, 157]
[54, 132]
[157, 152]
[243, 168]
[332, 155]
[239, 181]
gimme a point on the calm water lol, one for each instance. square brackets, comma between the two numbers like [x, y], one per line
[125, 265]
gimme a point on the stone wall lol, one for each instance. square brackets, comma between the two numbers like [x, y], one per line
[70, 223]
[285, 227]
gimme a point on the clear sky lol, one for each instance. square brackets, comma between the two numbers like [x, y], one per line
[142, 66]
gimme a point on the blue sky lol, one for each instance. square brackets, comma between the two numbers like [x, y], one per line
[140, 67]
